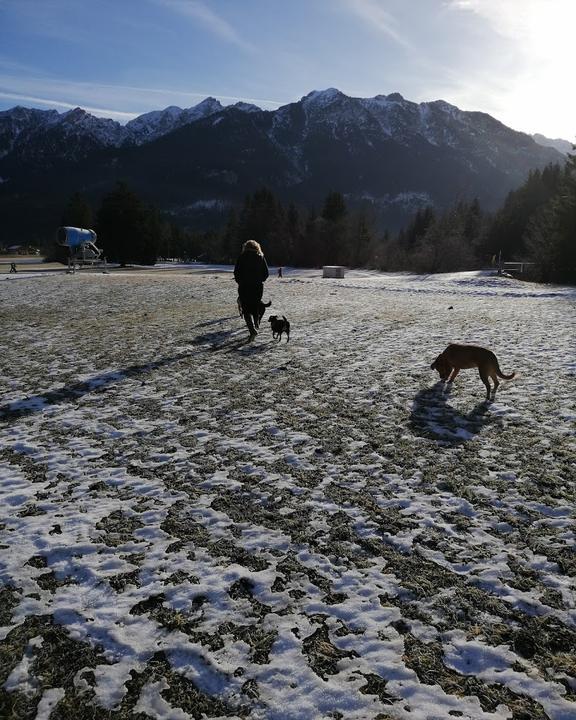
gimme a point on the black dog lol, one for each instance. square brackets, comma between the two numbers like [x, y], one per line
[279, 326]
[261, 310]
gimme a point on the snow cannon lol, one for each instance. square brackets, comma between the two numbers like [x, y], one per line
[74, 237]
[81, 244]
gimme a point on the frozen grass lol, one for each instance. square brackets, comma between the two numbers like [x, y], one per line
[193, 526]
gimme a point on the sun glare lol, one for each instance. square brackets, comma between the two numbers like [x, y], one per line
[539, 34]
[549, 60]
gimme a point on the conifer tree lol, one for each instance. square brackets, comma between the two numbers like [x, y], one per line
[361, 244]
[150, 236]
[231, 242]
[551, 234]
[507, 231]
[127, 231]
[334, 209]
[308, 248]
[416, 230]
[294, 234]
[260, 220]
[77, 213]
[333, 230]
[445, 248]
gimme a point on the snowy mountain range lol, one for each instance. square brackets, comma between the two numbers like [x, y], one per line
[31, 133]
[385, 152]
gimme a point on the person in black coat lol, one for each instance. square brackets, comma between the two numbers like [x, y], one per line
[250, 272]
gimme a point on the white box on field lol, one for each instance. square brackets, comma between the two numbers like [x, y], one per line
[333, 271]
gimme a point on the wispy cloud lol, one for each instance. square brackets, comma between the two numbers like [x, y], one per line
[200, 12]
[120, 102]
[377, 18]
[101, 112]
[10, 65]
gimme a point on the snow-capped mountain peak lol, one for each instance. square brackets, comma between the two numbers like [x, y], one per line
[307, 143]
[151, 125]
[155, 124]
[322, 98]
[207, 106]
[75, 115]
[246, 107]
[78, 122]
[394, 97]
[444, 107]
[173, 110]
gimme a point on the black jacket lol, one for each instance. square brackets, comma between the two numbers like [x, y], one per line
[250, 269]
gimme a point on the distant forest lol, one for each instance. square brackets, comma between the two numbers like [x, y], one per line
[536, 223]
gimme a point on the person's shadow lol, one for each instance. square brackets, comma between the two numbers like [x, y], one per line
[68, 393]
[227, 340]
[231, 340]
[208, 323]
[434, 418]
[222, 340]
[216, 338]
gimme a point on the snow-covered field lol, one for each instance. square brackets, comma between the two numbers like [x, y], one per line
[192, 526]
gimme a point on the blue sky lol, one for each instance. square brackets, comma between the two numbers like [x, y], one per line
[120, 58]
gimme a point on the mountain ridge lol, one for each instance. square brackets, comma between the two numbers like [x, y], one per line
[563, 146]
[151, 125]
[386, 154]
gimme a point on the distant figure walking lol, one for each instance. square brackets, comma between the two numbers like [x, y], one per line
[280, 272]
[250, 272]
[13, 268]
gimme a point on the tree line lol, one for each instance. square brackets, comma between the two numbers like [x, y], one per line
[537, 223]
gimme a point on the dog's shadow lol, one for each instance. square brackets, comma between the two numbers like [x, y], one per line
[434, 418]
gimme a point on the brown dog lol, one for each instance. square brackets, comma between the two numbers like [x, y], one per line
[461, 357]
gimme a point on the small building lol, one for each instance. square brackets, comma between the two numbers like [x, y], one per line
[333, 271]
[21, 250]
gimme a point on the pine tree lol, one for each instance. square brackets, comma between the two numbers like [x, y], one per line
[333, 230]
[507, 230]
[127, 231]
[166, 240]
[361, 243]
[307, 252]
[473, 223]
[445, 248]
[293, 221]
[294, 234]
[231, 243]
[150, 236]
[551, 234]
[77, 213]
[416, 230]
[334, 208]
